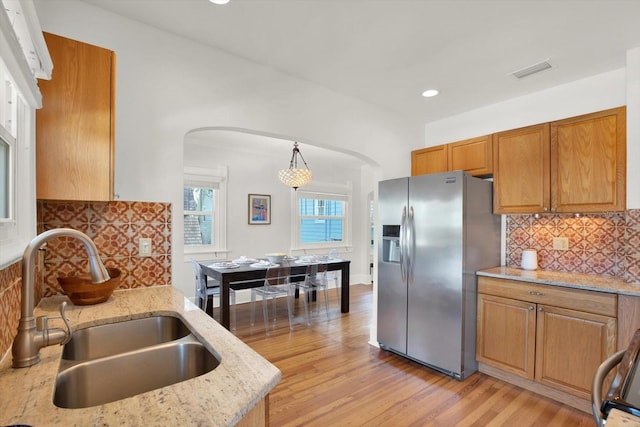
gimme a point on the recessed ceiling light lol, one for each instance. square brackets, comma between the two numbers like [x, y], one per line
[219, 1]
[429, 93]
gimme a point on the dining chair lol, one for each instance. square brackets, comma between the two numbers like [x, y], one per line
[203, 292]
[317, 280]
[276, 284]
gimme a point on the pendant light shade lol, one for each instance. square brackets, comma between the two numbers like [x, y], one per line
[294, 177]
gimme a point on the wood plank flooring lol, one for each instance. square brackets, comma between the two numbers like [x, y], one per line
[331, 376]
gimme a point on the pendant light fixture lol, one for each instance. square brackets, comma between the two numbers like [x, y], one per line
[294, 177]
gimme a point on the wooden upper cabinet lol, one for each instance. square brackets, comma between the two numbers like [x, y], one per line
[472, 155]
[588, 169]
[572, 165]
[75, 127]
[521, 170]
[429, 160]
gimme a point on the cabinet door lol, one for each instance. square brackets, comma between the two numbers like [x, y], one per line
[429, 160]
[570, 345]
[506, 334]
[472, 155]
[588, 171]
[74, 128]
[521, 170]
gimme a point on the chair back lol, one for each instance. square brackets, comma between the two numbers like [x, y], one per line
[201, 284]
[277, 275]
[317, 273]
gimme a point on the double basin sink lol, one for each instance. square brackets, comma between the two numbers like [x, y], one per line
[105, 363]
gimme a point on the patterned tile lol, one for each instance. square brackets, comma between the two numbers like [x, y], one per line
[596, 242]
[150, 212]
[10, 286]
[116, 228]
[110, 212]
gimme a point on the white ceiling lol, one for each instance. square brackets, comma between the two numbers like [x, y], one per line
[387, 52]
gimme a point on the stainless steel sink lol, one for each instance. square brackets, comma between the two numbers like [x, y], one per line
[120, 337]
[120, 360]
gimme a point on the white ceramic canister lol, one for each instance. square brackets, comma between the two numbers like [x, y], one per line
[529, 259]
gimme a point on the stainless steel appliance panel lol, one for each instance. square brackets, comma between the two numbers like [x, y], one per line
[443, 231]
[392, 295]
[435, 281]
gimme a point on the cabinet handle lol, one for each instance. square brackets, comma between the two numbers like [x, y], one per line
[530, 308]
[553, 209]
[538, 294]
[539, 308]
[545, 209]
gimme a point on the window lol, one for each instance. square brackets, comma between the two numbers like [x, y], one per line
[198, 215]
[321, 219]
[8, 120]
[203, 205]
[6, 176]
[23, 56]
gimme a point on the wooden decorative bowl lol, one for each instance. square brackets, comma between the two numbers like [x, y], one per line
[81, 291]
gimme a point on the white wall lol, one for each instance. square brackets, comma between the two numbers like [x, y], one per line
[167, 86]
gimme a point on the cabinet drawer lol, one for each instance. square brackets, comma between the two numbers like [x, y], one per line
[558, 296]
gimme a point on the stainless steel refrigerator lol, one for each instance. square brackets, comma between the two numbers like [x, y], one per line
[435, 232]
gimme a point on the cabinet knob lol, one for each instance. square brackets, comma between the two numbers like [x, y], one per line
[545, 209]
[538, 294]
[530, 308]
[553, 209]
[539, 308]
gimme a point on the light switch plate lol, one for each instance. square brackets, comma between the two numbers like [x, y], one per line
[561, 243]
[144, 247]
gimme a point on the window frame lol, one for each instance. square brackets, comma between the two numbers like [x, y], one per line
[216, 179]
[15, 234]
[321, 192]
[6, 137]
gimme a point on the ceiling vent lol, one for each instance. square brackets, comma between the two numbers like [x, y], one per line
[532, 69]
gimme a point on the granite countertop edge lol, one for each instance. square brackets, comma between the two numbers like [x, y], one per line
[221, 397]
[590, 282]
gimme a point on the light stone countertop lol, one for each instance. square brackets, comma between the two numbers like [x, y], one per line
[570, 280]
[219, 398]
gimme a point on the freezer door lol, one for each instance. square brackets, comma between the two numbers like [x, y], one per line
[435, 288]
[392, 289]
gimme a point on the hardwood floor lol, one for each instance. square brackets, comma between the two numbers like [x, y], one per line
[331, 376]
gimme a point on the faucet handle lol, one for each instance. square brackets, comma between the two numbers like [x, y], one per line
[69, 332]
[42, 323]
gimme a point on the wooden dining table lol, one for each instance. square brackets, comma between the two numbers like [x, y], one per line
[247, 277]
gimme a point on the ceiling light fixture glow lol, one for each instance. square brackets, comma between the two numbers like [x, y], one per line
[294, 177]
[219, 1]
[429, 93]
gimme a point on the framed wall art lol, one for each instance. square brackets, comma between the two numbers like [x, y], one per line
[259, 209]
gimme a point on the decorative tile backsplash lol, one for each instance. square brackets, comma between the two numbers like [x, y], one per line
[10, 283]
[632, 239]
[116, 228]
[607, 243]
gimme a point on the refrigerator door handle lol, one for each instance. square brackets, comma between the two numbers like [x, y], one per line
[403, 226]
[410, 243]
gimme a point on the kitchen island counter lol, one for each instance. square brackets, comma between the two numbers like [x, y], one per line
[221, 397]
[570, 280]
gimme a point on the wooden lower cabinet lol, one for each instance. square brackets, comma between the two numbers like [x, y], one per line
[507, 334]
[258, 416]
[525, 337]
[570, 345]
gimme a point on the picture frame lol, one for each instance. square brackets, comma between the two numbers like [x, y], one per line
[259, 209]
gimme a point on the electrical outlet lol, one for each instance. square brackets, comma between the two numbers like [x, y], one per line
[561, 243]
[144, 247]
